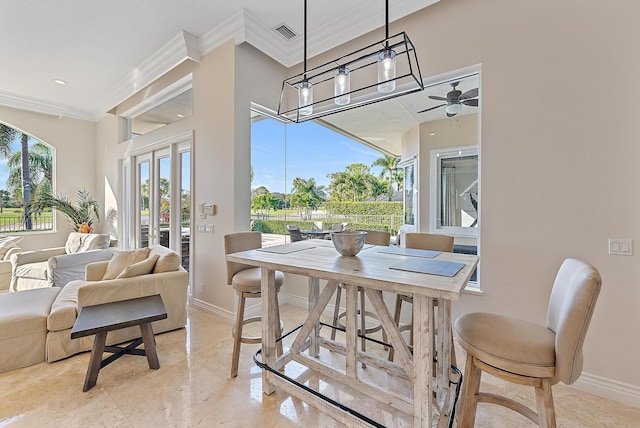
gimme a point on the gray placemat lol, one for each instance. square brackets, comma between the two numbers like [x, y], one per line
[284, 249]
[433, 267]
[413, 252]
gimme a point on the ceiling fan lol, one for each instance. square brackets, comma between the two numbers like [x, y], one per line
[455, 99]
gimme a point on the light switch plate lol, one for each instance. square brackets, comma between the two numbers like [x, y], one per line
[622, 247]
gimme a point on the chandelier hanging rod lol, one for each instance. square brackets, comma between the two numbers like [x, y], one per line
[382, 70]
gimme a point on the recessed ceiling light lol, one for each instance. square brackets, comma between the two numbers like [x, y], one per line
[432, 134]
[180, 115]
[60, 81]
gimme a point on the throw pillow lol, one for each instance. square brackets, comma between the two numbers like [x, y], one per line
[78, 242]
[168, 262]
[144, 267]
[122, 259]
[8, 242]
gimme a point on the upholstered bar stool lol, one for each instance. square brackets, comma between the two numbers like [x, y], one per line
[246, 281]
[421, 241]
[529, 354]
[374, 237]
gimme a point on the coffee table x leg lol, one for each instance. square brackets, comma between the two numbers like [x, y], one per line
[96, 362]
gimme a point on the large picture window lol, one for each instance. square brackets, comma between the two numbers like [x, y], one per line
[26, 171]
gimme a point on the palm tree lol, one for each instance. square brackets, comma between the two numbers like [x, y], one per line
[40, 170]
[4, 199]
[80, 214]
[7, 136]
[355, 183]
[262, 204]
[389, 165]
[307, 196]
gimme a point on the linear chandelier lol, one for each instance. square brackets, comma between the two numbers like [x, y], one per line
[385, 69]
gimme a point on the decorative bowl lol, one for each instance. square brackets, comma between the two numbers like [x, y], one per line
[348, 243]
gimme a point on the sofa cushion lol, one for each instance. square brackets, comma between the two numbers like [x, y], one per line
[79, 242]
[144, 267]
[168, 260]
[36, 270]
[23, 327]
[122, 259]
[8, 242]
[64, 308]
[25, 312]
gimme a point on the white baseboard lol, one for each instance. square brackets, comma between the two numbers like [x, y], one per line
[608, 388]
[213, 310]
[250, 311]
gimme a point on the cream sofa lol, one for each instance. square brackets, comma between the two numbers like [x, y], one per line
[6, 269]
[58, 265]
[35, 325]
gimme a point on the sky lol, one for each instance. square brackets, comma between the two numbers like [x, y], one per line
[307, 149]
[4, 170]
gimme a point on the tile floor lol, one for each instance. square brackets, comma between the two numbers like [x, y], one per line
[192, 388]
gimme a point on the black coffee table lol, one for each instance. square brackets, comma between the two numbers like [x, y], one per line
[100, 319]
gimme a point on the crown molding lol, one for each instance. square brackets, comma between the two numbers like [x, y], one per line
[231, 29]
[245, 27]
[183, 47]
[36, 105]
[240, 27]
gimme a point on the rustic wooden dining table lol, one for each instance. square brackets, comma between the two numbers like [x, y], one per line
[376, 269]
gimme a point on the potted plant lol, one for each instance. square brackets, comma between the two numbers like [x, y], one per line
[80, 213]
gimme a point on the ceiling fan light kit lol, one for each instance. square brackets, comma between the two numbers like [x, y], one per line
[455, 99]
[453, 109]
[385, 69]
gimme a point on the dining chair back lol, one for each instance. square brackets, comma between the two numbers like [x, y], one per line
[377, 237]
[429, 241]
[294, 233]
[246, 281]
[526, 353]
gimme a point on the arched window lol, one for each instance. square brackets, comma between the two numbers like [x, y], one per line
[26, 171]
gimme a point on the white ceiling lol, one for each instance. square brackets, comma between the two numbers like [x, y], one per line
[382, 124]
[107, 50]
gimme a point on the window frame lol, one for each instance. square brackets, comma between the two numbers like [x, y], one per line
[404, 163]
[437, 155]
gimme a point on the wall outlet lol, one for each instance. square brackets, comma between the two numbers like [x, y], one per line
[622, 247]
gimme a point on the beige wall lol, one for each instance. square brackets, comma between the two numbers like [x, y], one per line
[558, 128]
[558, 153]
[224, 84]
[74, 163]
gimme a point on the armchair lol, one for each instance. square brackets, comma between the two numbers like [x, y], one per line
[5, 269]
[59, 265]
